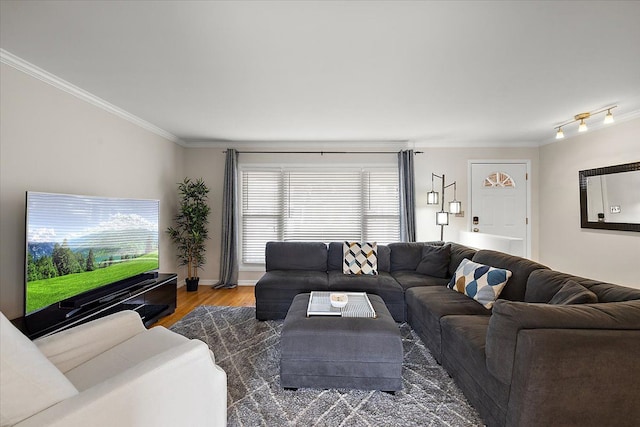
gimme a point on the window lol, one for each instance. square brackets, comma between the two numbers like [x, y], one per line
[499, 180]
[316, 205]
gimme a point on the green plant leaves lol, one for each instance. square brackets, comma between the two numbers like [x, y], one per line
[190, 231]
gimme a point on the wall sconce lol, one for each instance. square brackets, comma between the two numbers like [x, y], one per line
[442, 217]
[608, 118]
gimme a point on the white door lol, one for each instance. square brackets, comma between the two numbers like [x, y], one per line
[499, 206]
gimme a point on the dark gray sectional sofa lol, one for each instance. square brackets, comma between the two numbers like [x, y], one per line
[525, 362]
[296, 267]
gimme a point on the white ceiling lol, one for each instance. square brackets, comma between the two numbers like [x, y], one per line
[467, 72]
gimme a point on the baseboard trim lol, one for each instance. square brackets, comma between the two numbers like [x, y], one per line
[209, 282]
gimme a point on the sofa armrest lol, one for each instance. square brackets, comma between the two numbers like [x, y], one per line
[181, 386]
[70, 348]
[575, 377]
[509, 318]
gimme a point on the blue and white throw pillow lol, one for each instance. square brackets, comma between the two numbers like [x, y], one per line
[360, 258]
[479, 282]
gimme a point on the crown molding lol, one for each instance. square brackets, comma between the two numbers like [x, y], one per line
[474, 144]
[55, 81]
[351, 144]
[301, 145]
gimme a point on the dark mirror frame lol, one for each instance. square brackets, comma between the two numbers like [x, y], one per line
[583, 175]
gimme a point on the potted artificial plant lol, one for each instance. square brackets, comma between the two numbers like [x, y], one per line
[190, 231]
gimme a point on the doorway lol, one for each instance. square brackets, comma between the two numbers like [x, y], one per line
[500, 206]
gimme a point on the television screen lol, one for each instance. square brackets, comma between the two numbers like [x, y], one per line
[76, 244]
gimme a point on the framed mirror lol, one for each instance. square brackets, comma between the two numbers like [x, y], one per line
[610, 197]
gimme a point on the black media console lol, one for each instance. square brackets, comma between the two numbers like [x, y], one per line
[152, 298]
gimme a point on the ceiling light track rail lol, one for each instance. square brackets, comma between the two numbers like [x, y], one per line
[581, 117]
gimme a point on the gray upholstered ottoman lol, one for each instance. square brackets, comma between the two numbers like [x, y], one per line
[340, 352]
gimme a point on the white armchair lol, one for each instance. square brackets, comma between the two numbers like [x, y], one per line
[109, 372]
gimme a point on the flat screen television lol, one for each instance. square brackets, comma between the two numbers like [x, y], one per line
[78, 244]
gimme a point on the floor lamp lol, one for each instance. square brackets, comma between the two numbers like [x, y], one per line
[455, 207]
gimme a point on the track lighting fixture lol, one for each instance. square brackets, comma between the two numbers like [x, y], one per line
[608, 118]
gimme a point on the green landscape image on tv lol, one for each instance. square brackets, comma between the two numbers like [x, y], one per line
[78, 243]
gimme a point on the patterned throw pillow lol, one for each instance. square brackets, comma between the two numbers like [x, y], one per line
[479, 282]
[360, 258]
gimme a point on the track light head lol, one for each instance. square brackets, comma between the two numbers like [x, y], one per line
[608, 119]
[583, 126]
[560, 134]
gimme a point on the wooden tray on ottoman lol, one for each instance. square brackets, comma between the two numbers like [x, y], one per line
[358, 305]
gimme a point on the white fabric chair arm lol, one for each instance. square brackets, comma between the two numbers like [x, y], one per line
[70, 348]
[181, 386]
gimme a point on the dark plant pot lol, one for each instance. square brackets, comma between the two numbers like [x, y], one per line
[192, 284]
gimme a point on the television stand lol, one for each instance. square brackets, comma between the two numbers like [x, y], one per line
[151, 299]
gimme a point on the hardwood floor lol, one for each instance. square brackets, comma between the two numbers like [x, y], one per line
[242, 296]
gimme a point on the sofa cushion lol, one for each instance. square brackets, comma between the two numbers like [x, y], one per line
[362, 283]
[310, 256]
[124, 356]
[520, 268]
[335, 257]
[29, 382]
[435, 261]
[360, 258]
[276, 289]
[573, 293]
[463, 356]
[509, 317]
[458, 253]
[480, 282]
[426, 305]
[409, 279]
[543, 284]
[274, 283]
[382, 285]
[405, 256]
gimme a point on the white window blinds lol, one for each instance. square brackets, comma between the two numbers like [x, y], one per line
[261, 212]
[317, 205]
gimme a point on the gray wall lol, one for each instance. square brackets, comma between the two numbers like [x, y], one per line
[564, 245]
[52, 141]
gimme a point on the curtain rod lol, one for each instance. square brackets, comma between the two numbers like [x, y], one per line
[321, 152]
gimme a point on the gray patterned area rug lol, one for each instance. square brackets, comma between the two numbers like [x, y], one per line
[249, 352]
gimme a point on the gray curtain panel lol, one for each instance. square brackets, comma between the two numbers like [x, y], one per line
[407, 196]
[229, 243]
